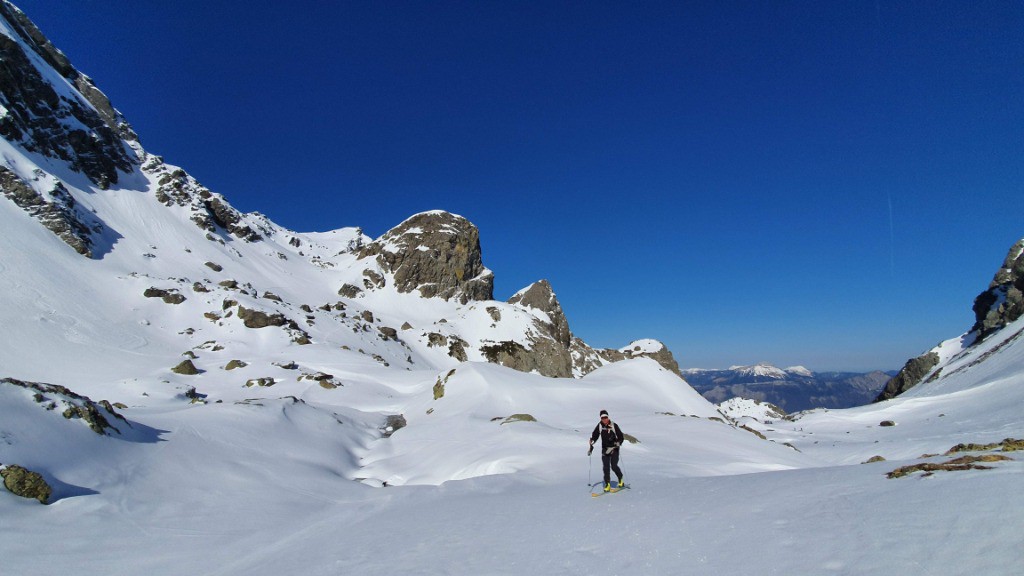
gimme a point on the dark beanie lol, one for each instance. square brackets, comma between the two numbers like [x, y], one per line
[604, 412]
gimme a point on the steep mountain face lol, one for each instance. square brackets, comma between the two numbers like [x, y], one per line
[163, 250]
[793, 389]
[73, 122]
[994, 309]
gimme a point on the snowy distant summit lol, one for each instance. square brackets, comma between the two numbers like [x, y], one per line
[799, 371]
[792, 389]
[760, 370]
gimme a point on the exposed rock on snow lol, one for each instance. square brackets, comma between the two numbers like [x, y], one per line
[393, 423]
[26, 483]
[185, 368]
[910, 375]
[168, 296]
[956, 464]
[259, 319]
[73, 405]
[58, 213]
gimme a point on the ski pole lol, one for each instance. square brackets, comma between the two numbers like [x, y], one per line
[590, 470]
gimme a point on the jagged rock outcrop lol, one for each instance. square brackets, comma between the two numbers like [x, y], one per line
[554, 351]
[58, 212]
[540, 296]
[550, 347]
[209, 210]
[79, 127]
[73, 405]
[1003, 302]
[994, 308]
[435, 253]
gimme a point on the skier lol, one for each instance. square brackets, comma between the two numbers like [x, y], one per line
[611, 439]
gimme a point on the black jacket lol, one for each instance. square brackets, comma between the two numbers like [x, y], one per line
[610, 435]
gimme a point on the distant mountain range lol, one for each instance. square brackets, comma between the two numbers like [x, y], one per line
[792, 389]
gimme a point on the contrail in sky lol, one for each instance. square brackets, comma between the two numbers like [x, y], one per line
[892, 240]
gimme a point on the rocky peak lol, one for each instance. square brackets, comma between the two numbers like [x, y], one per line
[436, 253]
[74, 123]
[1003, 302]
[540, 296]
[994, 308]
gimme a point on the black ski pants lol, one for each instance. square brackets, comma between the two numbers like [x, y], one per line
[611, 462]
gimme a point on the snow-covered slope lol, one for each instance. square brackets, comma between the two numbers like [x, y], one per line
[206, 392]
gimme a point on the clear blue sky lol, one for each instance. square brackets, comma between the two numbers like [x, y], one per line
[805, 182]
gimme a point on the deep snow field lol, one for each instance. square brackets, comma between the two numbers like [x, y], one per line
[273, 485]
[290, 478]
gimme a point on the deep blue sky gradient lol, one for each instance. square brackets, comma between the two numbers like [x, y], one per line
[818, 183]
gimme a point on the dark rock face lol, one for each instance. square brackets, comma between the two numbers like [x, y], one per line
[259, 319]
[436, 253]
[1003, 302]
[392, 424]
[58, 213]
[909, 376]
[168, 296]
[26, 483]
[544, 357]
[186, 368]
[87, 133]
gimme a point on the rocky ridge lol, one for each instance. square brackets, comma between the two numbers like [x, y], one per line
[1003, 302]
[53, 110]
[78, 126]
[1000, 304]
